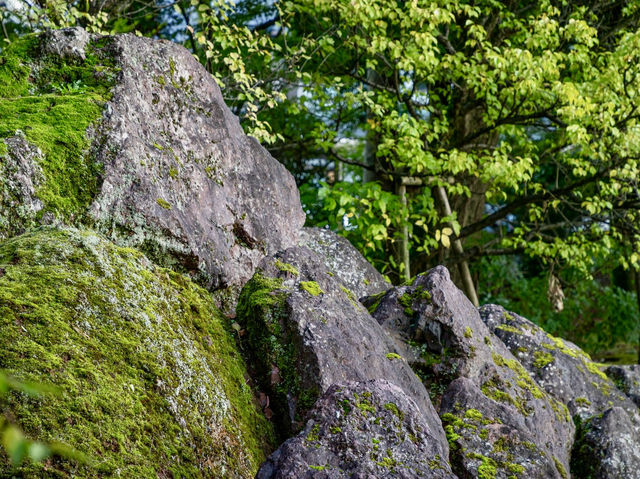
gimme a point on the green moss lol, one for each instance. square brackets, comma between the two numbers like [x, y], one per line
[473, 414]
[541, 359]
[594, 369]
[53, 102]
[467, 332]
[487, 469]
[524, 381]
[313, 434]
[317, 468]
[560, 468]
[150, 382]
[352, 297]
[164, 203]
[286, 267]
[363, 404]
[311, 287]
[393, 356]
[394, 410]
[375, 302]
[406, 300]
[508, 328]
[515, 468]
[583, 402]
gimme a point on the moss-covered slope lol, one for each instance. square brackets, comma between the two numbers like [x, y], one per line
[150, 383]
[50, 101]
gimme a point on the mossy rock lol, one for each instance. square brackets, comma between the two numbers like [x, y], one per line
[50, 103]
[149, 381]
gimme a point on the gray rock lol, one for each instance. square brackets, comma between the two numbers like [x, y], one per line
[362, 430]
[306, 332]
[21, 175]
[345, 261]
[607, 446]
[627, 378]
[560, 367]
[179, 178]
[496, 417]
[68, 43]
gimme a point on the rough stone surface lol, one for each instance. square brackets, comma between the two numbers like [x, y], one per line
[307, 332]
[21, 173]
[149, 381]
[179, 179]
[68, 43]
[606, 446]
[498, 420]
[362, 430]
[560, 367]
[344, 261]
[627, 378]
[180, 174]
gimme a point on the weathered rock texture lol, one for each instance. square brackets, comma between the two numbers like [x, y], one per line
[177, 176]
[627, 378]
[344, 261]
[307, 332]
[361, 430]
[606, 446]
[560, 367]
[150, 382]
[498, 421]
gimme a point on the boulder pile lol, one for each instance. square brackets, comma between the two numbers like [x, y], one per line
[133, 210]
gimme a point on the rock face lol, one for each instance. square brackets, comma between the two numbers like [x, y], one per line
[627, 378]
[172, 171]
[368, 429]
[560, 368]
[150, 382]
[498, 420]
[608, 423]
[606, 446]
[344, 261]
[307, 332]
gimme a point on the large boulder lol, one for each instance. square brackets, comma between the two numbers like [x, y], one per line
[131, 136]
[560, 367]
[498, 421]
[344, 261]
[607, 446]
[148, 382]
[608, 423]
[368, 430]
[627, 378]
[305, 332]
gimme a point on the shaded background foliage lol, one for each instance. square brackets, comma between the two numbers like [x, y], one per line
[523, 116]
